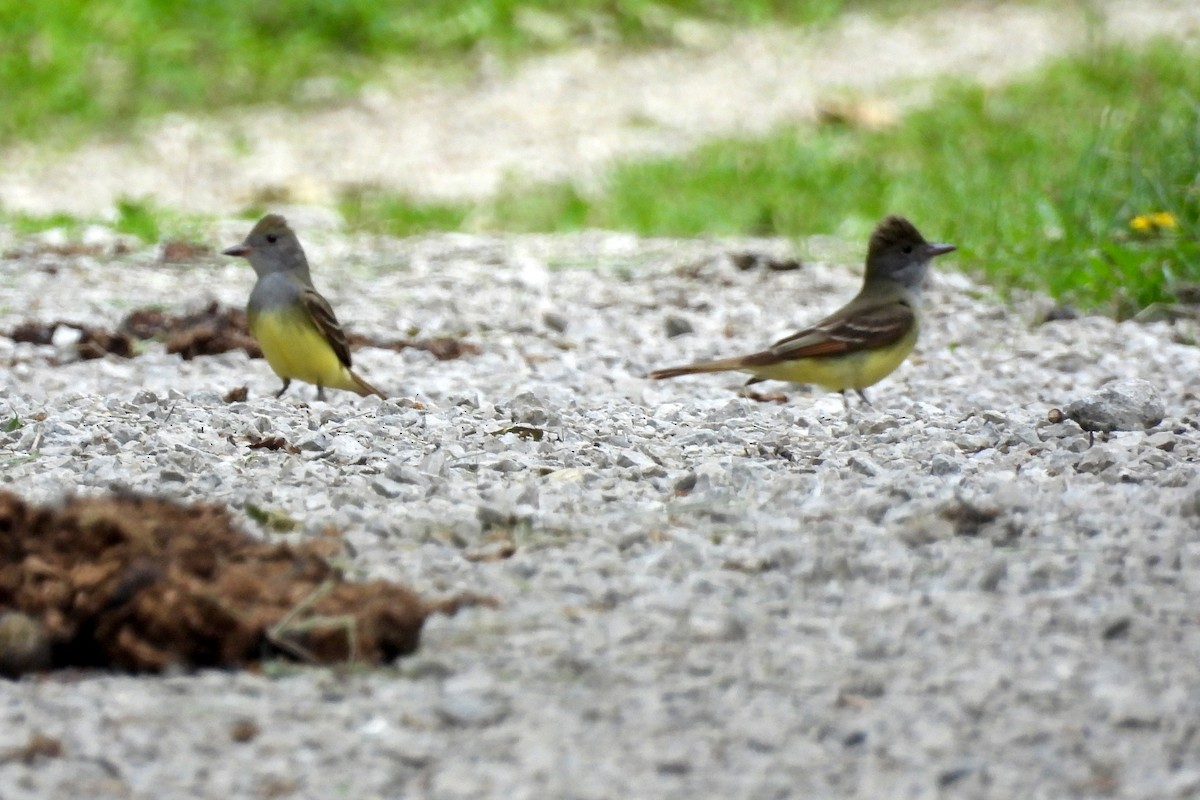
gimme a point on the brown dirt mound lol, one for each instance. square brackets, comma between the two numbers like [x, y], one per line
[141, 584]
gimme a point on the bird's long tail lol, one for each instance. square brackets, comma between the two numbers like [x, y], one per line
[362, 387]
[722, 365]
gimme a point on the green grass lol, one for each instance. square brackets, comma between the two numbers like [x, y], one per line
[1037, 182]
[71, 67]
[137, 217]
[400, 215]
[26, 224]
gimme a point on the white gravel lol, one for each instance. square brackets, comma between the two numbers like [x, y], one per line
[942, 595]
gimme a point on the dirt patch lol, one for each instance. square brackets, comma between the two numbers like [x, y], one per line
[141, 584]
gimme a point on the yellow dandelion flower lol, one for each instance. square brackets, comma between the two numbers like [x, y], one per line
[1165, 220]
[1154, 222]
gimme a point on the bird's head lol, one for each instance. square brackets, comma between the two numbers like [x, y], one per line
[900, 253]
[272, 246]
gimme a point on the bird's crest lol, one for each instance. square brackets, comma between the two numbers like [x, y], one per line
[891, 230]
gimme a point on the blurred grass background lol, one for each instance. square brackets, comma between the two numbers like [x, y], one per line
[1081, 179]
[69, 67]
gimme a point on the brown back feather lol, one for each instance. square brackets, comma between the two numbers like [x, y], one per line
[322, 314]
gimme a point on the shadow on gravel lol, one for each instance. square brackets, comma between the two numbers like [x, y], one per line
[141, 584]
[210, 331]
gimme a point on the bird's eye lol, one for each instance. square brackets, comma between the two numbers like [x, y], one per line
[907, 249]
[272, 238]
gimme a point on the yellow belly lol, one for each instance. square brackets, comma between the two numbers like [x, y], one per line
[296, 349]
[840, 372]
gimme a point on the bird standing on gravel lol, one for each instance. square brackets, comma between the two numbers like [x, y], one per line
[861, 343]
[295, 326]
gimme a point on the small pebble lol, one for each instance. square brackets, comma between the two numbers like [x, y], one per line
[677, 326]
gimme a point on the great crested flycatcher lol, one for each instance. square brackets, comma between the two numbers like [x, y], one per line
[295, 326]
[861, 343]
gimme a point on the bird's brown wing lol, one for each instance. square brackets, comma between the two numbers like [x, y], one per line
[844, 332]
[322, 314]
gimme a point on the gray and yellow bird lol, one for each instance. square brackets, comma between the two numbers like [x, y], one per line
[295, 326]
[861, 343]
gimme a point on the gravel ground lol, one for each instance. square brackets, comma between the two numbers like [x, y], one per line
[942, 595]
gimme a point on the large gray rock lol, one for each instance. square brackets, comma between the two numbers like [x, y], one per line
[1131, 405]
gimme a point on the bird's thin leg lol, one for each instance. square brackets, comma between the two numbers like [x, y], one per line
[845, 400]
[320, 392]
[286, 383]
[863, 395]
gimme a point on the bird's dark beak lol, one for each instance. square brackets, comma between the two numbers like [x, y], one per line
[935, 249]
[241, 250]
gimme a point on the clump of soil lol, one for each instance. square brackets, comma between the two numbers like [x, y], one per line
[182, 251]
[443, 348]
[141, 584]
[210, 331]
[207, 332]
[90, 343]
